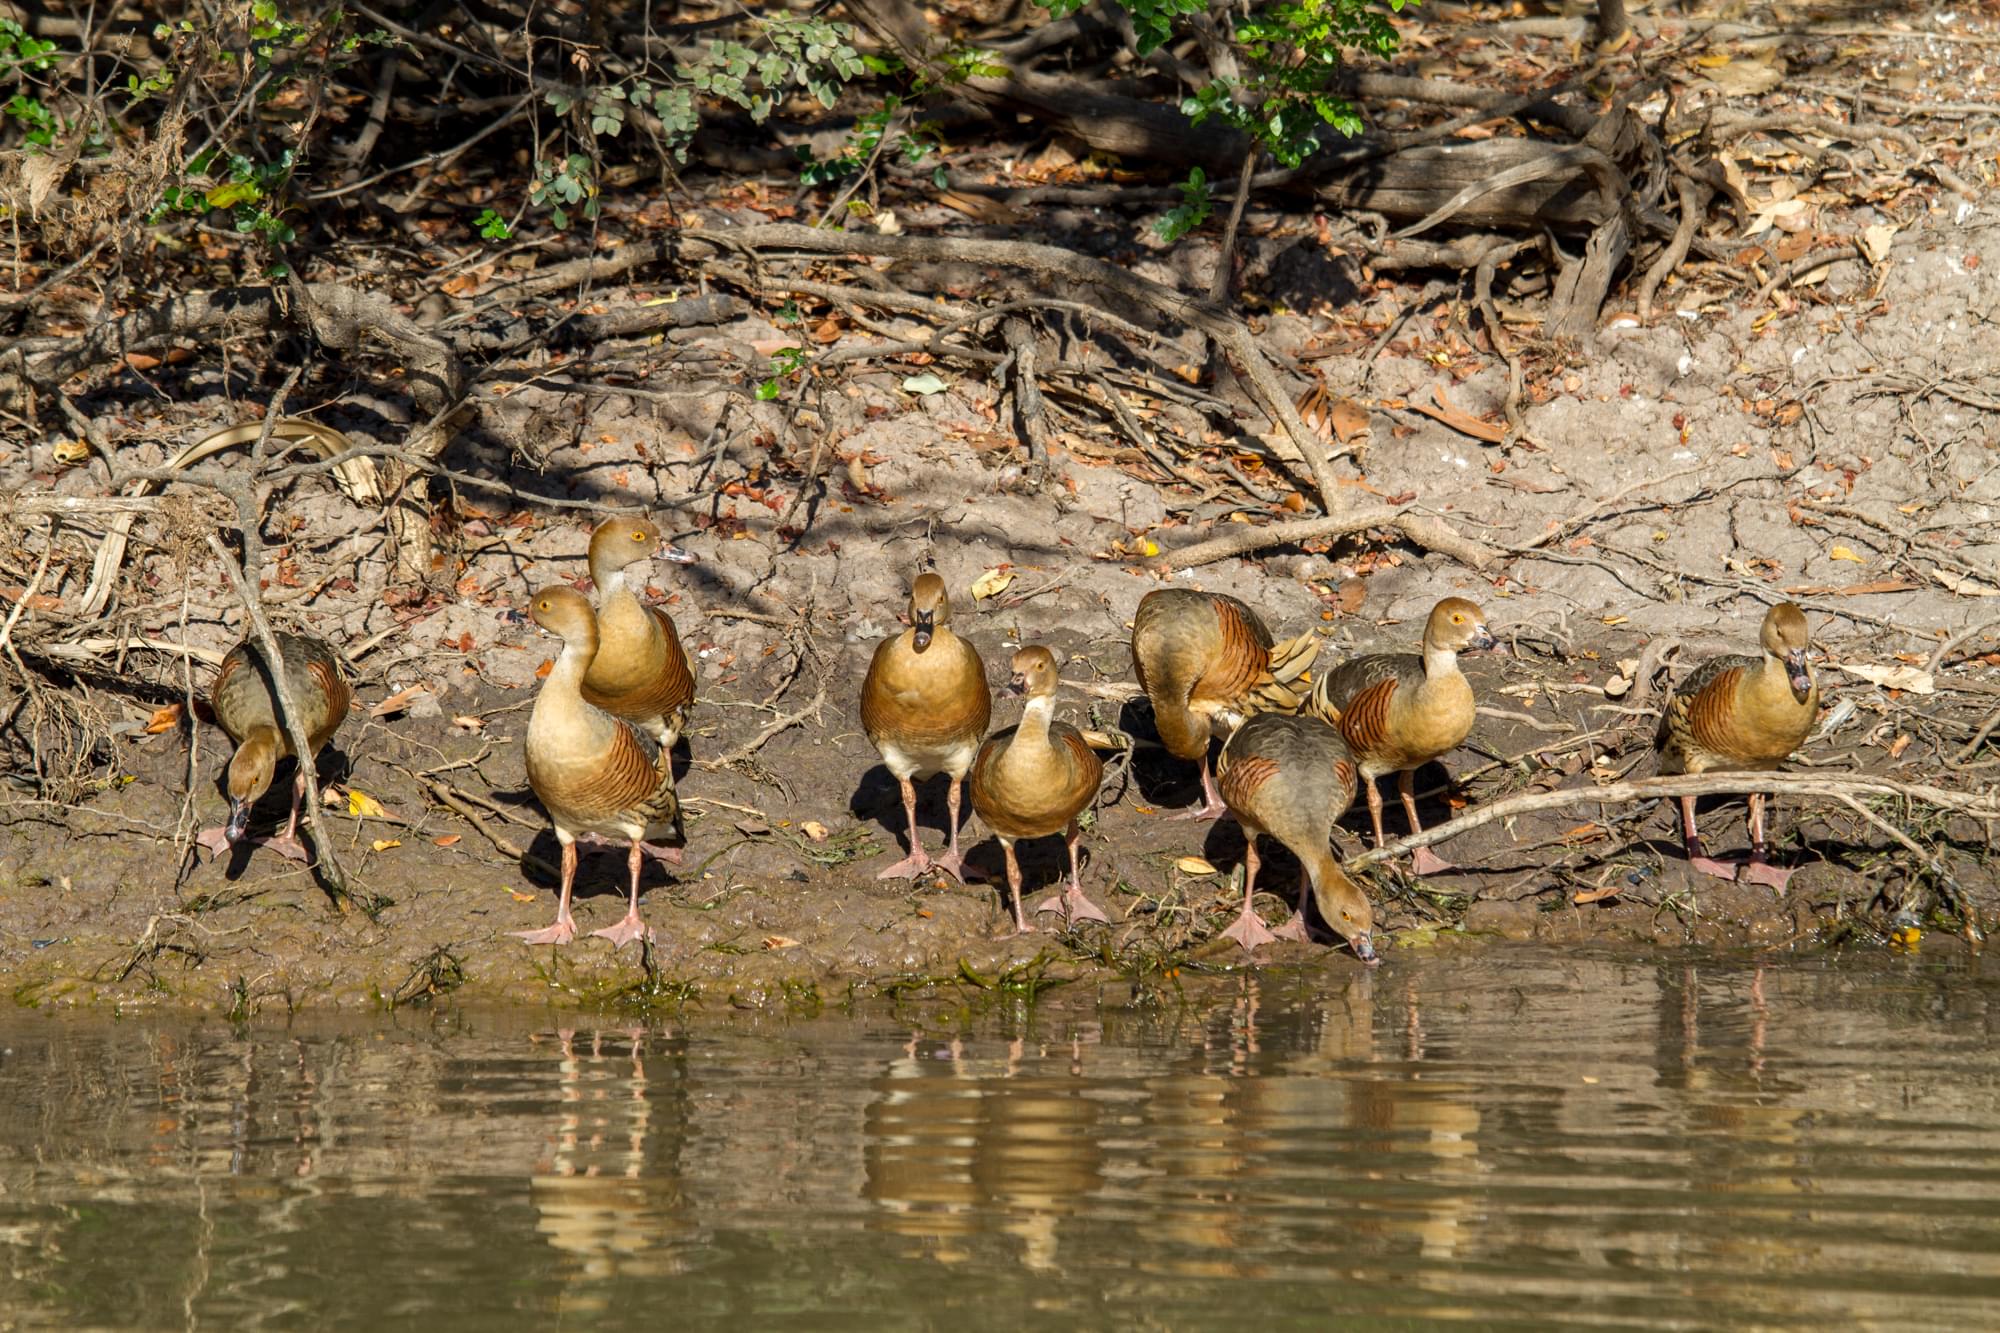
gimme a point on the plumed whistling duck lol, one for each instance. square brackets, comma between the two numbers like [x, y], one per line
[1740, 713]
[1399, 711]
[594, 773]
[641, 673]
[925, 705]
[1292, 777]
[1206, 662]
[1035, 780]
[245, 707]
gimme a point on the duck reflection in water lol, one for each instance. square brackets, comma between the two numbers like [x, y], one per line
[961, 1145]
[608, 1193]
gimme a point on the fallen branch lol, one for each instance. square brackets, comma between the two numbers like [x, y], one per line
[450, 797]
[1428, 533]
[1977, 805]
[1029, 414]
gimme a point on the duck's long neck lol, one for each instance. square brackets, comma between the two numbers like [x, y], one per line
[1034, 728]
[251, 766]
[1440, 667]
[614, 591]
[572, 664]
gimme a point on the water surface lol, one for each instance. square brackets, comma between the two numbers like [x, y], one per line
[1506, 1138]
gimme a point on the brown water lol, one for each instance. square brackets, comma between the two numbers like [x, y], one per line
[1507, 1138]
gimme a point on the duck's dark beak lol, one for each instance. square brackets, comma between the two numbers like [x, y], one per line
[923, 624]
[671, 552]
[1795, 669]
[1364, 949]
[1015, 687]
[1483, 640]
[239, 821]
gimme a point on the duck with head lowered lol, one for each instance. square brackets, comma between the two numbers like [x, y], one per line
[594, 773]
[1742, 714]
[1293, 778]
[246, 707]
[925, 705]
[1206, 663]
[1034, 780]
[1399, 711]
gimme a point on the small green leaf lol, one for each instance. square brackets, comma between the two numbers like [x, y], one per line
[232, 194]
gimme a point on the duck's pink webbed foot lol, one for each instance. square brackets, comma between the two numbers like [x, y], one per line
[1249, 930]
[627, 930]
[1427, 862]
[562, 932]
[1760, 871]
[1293, 929]
[911, 866]
[1073, 905]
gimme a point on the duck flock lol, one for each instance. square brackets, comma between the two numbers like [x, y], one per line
[1295, 749]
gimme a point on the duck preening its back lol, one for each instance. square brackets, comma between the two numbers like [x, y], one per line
[1206, 662]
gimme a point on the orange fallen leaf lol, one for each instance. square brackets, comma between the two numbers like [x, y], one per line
[1348, 418]
[448, 840]
[1583, 896]
[542, 671]
[520, 897]
[163, 719]
[1441, 408]
[41, 601]
[1900, 744]
[398, 701]
[780, 942]
[982, 209]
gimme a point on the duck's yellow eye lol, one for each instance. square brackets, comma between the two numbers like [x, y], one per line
[1457, 619]
[638, 536]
